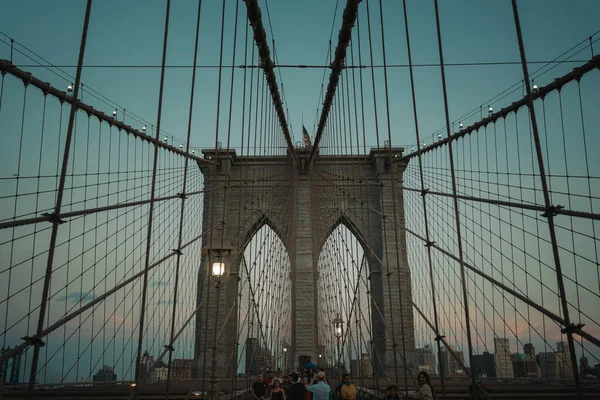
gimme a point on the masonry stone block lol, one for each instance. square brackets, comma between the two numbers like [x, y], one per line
[366, 198]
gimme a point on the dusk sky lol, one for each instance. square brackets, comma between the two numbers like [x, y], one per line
[122, 71]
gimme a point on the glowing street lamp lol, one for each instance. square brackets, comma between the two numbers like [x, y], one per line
[219, 251]
[338, 326]
[338, 330]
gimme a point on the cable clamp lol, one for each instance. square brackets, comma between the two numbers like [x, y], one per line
[177, 251]
[182, 196]
[34, 340]
[439, 337]
[169, 347]
[52, 217]
[552, 210]
[27, 81]
[572, 328]
[424, 192]
[429, 244]
[46, 90]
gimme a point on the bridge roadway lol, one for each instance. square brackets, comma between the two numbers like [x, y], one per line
[455, 389]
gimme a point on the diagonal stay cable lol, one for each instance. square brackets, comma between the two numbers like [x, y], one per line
[350, 14]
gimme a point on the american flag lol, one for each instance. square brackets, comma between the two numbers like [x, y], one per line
[306, 138]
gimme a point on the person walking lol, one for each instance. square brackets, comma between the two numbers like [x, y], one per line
[319, 387]
[348, 391]
[286, 386]
[425, 390]
[391, 393]
[298, 390]
[259, 388]
[277, 392]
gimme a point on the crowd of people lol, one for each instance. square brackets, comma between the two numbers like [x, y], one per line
[314, 385]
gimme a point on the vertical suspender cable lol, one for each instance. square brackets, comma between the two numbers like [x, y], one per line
[455, 199]
[36, 340]
[394, 205]
[183, 197]
[151, 206]
[549, 214]
[427, 236]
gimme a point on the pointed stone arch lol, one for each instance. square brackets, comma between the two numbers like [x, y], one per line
[303, 215]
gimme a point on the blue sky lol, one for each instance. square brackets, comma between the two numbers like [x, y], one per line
[130, 34]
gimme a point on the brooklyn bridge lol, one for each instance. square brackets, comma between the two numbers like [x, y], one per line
[175, 221]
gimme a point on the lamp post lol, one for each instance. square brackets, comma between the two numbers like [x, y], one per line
[218, 251]
[285, 346]
[338, 330]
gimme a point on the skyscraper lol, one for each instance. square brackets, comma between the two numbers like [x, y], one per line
[181, 368]
[146, 364]
[424, 360]
[504, 366]
[251, 348]
[563, 359]
[583, 366]
[449, 366]
[548, 365]
[484, 365]
[529, 349]
[105, 374]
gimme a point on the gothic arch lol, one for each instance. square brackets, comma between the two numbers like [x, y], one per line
[303, 210]
[255, 225]
[348, 223]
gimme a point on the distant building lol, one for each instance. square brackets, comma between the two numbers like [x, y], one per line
[13, 365]
[583, 366]
[529, 349]
[525, 365]
[258, 358]
[565, 367]
[160, 372]
[181, 368]
[424, 360]
[504, 366]
[105, 374]
[484, 366]
[251, 364]
[548, 365]
[449, 366]
[146, 364]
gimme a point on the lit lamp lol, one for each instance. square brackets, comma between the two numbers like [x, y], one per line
[219, 251]
[338, 325]
[338, 330]
[285, 346]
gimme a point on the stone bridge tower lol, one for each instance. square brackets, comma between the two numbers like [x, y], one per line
[355, 191]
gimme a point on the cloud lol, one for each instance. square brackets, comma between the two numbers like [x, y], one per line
[78, 297]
